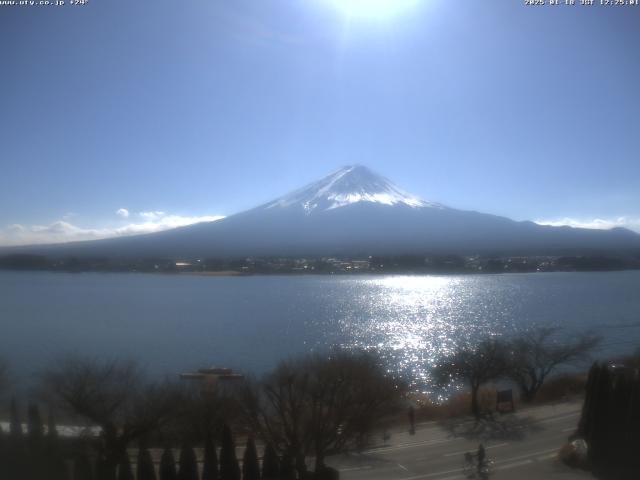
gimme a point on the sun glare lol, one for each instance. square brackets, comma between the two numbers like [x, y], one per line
[372, 8]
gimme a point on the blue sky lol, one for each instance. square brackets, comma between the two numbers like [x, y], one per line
[184, 110]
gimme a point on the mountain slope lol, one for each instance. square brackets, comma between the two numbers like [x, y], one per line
[355, 212]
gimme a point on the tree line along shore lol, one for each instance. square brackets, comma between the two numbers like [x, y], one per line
[416, 264]
[291, 419]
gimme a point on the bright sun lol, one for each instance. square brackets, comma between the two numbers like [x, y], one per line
[372, 8]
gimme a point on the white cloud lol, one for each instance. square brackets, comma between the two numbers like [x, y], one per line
[152, 215]
[63, 231]
[122, 212]
[596, 223]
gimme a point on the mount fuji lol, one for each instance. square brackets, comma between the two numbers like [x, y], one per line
[352, 212]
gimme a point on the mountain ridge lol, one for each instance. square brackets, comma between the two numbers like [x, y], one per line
[352, 211]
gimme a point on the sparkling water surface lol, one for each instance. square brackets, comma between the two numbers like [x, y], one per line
[172, 323]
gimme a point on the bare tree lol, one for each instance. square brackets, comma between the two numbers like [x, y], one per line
[114, 396]
[475, 366]
[534, 355]
[316, 405]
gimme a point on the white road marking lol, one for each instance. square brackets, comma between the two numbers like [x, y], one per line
[353, 469]
[430, 422]
[429, 475]
[514, 465]
[555, 419]
[403, 467]
[547, 457]
[411, 445]
[528, 455]
[462, 452]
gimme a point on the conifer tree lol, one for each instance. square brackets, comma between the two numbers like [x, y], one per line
[124, 468]
[15, 425]
[55, 462]
[287, 468]
[188, 464]
[52, 440]
[35, 427]
[3, 455]
[250, 465]
[145, 470]
[100, 468]
[599, 423]
[210, 467]
[588, 407]
[229, 468]
[619, 432]
[36, 462]
[270, 464]
[82, 468]
[168, 465]
[610, 421]
[15, 449]
[633, 420]
[105, 470]
[52, 431]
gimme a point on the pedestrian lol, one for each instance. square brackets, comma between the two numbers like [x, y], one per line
[481, 459]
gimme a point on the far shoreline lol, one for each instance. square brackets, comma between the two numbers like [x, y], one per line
[372, 273]
[398, 264]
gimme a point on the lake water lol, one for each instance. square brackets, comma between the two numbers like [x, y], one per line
[173, 323]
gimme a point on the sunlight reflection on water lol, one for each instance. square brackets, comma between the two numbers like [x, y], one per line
[413, 320]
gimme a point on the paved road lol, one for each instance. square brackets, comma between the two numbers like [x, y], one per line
[523, 446]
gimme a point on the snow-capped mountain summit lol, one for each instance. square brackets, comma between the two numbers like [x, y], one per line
[349, 185]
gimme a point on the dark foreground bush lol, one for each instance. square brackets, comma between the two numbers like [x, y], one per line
[610, 421]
